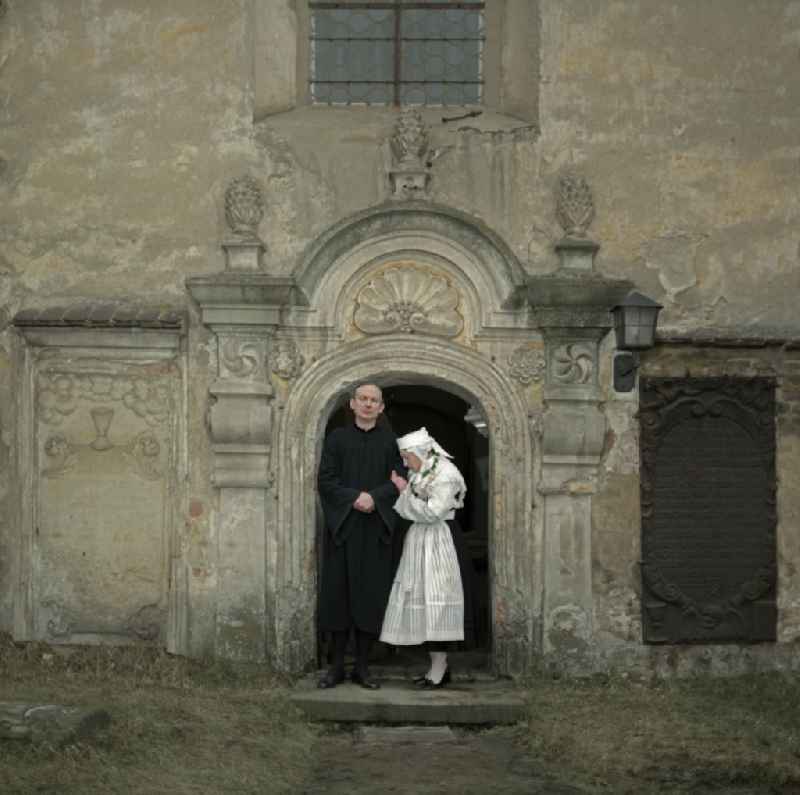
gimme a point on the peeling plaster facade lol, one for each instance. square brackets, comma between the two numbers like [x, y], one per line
[193, 261]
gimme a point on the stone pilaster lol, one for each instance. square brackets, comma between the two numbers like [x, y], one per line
[571, 308]
[572, 442]
[243, 310]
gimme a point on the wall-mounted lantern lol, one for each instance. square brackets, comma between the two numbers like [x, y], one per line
[635, 319]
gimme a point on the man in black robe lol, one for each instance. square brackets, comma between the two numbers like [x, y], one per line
[357, 498]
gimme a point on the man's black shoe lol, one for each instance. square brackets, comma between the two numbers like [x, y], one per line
[365, 681]
[331, 678]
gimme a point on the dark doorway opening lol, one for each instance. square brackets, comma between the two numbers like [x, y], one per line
[459, 428]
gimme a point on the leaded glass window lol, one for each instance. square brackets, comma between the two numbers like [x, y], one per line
[397, 53]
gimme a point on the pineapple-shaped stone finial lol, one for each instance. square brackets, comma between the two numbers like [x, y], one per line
[410, 139]
[244, 206]
[410, 174]
[574, 204]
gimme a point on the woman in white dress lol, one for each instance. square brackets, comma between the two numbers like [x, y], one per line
[426, 603]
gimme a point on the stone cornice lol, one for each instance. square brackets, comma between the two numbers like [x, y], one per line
[564, 290]
[727, 338]
[243, 299]
[101, 315]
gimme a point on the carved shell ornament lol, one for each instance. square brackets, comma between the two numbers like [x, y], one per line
[409, 299]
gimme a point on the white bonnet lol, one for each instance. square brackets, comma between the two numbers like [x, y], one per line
[421, 443]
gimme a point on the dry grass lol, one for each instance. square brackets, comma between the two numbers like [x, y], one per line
[182, 726]
[178, 726]
[699, 735]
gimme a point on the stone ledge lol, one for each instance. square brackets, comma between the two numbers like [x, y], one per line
[101, 314]
[728, 338]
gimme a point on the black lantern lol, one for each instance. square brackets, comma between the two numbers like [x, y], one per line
[635, 319]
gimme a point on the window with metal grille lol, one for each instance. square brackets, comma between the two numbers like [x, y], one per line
[397, 53]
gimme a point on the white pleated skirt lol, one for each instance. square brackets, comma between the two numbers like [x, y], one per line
[427, 598]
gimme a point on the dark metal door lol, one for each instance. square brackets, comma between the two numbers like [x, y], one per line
[708, 510]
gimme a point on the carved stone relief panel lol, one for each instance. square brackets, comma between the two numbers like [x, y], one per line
[708, 494]
[405, 297]
[285, 359]
[573, 364]
[241, 357]
[103, 490]
[527, 365]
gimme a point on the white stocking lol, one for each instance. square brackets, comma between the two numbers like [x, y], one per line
[438, 666]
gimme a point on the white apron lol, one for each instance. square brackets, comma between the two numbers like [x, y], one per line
[427, 599]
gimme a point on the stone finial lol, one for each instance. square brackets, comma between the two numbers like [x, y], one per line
[244, 206]
[244, 209]
[410, 174]
[410, 139]
[574, 205]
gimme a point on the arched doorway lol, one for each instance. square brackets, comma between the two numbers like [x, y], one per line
[513, 538]
[460, 429]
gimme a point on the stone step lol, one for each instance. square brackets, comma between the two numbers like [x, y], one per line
[50, 723]
[473, 700]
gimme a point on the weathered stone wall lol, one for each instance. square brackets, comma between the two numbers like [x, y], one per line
[616, 518]
[122, 123]
[682, 113]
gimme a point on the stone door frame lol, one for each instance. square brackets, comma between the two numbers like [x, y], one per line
[515, 543]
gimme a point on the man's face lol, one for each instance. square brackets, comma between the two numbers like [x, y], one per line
[368, 403]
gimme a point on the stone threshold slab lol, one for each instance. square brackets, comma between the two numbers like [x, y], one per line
[401, 702]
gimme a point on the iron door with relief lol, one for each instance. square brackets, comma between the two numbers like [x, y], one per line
[708, 510]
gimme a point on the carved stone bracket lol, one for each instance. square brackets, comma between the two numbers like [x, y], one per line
[243, 310]
[572, 311]
[573, 433]
[240, 424]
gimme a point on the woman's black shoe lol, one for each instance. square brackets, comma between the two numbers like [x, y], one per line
[445, 680]
[420, 680]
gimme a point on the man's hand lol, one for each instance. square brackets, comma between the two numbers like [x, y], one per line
[400, 483]
[364, 503]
